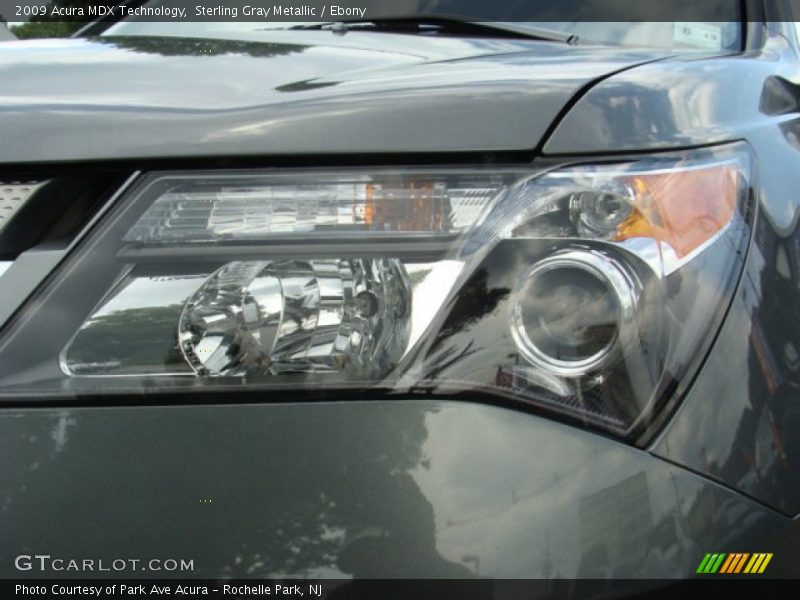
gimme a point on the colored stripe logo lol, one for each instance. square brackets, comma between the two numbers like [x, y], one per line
[734, 563]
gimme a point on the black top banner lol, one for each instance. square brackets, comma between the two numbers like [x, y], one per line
[366, 10]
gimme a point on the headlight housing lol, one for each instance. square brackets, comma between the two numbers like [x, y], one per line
[591, 292]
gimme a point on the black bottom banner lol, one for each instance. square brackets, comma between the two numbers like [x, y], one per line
[336, 589]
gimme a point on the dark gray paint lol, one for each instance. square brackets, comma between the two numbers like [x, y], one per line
[682, 102]
[372, 489]
[420, 488]
[159, 97]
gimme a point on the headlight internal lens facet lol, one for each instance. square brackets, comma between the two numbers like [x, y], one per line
[260, 317]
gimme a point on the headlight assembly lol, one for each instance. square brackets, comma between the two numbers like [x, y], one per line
[592, 291]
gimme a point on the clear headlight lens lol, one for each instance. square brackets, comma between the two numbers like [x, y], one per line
[589, 291]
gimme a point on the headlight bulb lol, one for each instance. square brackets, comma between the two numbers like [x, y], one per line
[599, 213]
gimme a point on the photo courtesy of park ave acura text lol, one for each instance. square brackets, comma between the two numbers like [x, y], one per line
[399, 299]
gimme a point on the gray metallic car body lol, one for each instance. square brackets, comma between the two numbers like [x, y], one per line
[290, 94]
[417, 488]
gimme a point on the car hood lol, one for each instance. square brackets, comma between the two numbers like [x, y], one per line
[287, 93]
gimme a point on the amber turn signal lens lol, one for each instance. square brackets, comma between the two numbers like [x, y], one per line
[684, 209]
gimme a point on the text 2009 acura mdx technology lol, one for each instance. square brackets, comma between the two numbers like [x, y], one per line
[416, 297]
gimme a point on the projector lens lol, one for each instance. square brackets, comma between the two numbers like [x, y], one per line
[569, 310]
[569, 314]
